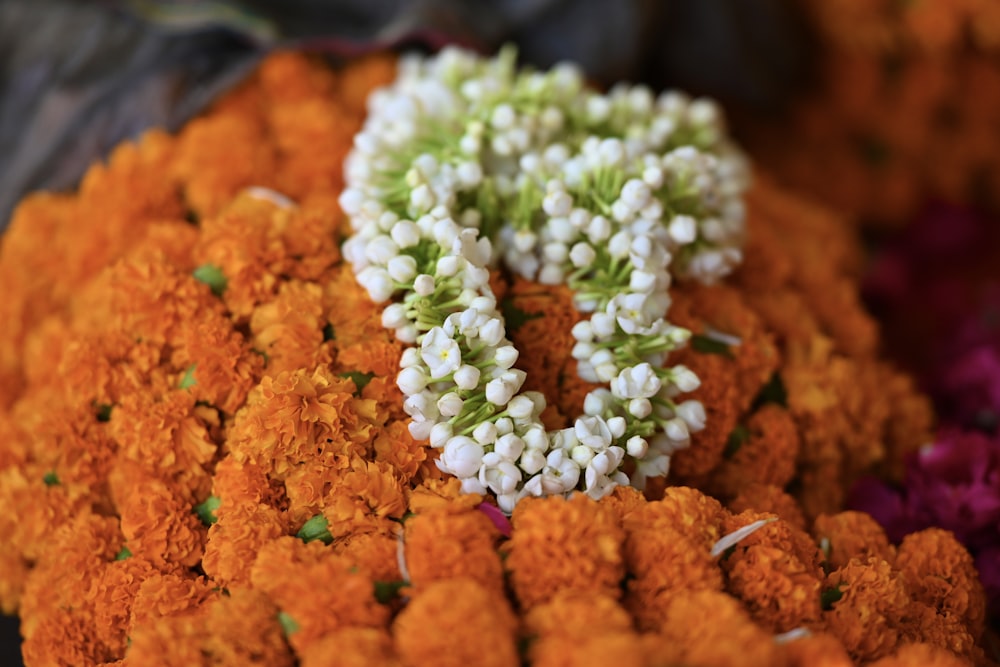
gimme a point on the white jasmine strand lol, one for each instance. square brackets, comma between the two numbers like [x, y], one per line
[465, 162]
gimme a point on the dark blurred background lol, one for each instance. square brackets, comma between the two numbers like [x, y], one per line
[76, 78]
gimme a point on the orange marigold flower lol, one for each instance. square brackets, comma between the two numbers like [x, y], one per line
[388, 399]
[115, 203]
[776, 572]
[786, 315]
[41, 509]
[710, 629]
[449, 543]
[720, 308]
[924, 624]
[766, 264]
[624, 500]
[305, 415]
[350, 311]
[220, 154]
[911, 421]
[866, 602]
[234, 540]
[920, 655]
[351, 647]
[778, 590]
[596, 650]
[375, 553]
[157, 520]
[364, 75]
[232, 630]
[663, 561]
[14, 571]
[558, 544]
[298, 126]
[112, 592]
[306, 488]
[161, 595]
[242, 486]
[244, 243]
[29, 275]
[769, 499]
[170, 431]
[719, 393]
[246, 519]
[395, 446]
[152, 301]
[68, 441]
[168, 240]
[848, 535]
[939, 571]
[542, 332]
[364, 497]
[780, 534]
[379, 357]
[311, 238]
[763, 452]
[684, 509]
[64, 637]
[105, 368]
[582, 628]
[456, 622]
[320, 590]
[289, 329]
[435, 494]
[576, 614]
[817, 650]
[293, 76]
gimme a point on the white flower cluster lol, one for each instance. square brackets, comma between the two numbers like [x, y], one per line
[465, 161]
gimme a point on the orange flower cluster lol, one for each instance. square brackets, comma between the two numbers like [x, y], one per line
[205, 459]
[903, 107]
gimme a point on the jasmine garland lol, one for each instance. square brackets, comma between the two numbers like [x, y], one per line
[464, 163]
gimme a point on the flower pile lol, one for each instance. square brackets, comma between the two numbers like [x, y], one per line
[937, 282]
[902, 107]
[465, 160]
[206, 460]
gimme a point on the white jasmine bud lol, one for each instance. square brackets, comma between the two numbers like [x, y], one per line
[402, 268]
[467, 377]
[423, 284]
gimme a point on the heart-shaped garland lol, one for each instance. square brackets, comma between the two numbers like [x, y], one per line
[464, 161]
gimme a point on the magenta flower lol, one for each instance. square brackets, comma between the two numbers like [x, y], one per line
[497, 516]
[953, 484]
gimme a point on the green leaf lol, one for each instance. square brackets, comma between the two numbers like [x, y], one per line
[360, 379]
[736, 440]
[407, 515]
[829, 596]
[514, 317]
[772, 392]
[316, 528]
[288, 624]
[706, 345]
[385, 591]
[329, 333]
[212, 276]
[206, 510]
[103, 411]
[188, 380]
[123, 554]
[50, 478]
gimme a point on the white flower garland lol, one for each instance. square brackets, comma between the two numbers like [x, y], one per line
[465, 161]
